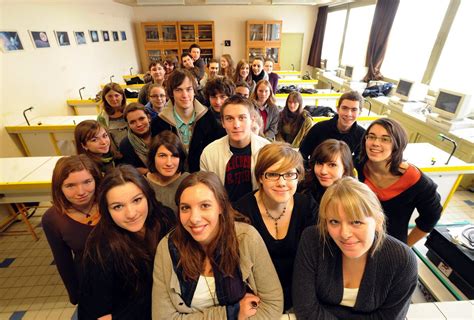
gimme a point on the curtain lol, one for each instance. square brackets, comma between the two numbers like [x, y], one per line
[384, 16]
[314, 59]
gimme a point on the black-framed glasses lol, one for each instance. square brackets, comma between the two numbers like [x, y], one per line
[273, 176]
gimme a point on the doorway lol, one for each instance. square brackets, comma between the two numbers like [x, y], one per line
[291, 51]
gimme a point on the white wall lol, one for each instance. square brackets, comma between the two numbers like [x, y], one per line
[230, 22]
[45, 78]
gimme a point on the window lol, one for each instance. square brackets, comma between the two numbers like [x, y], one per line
[333, 38]
[357, 35]
[412, 37]
[455, 68]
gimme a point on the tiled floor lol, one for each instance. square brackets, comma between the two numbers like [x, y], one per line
[30, 286]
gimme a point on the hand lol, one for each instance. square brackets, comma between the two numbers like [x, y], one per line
[248, 306]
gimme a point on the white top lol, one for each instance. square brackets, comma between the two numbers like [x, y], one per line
[205, 291]
[349, 297]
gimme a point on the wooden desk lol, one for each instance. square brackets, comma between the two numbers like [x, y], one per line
[47, 136]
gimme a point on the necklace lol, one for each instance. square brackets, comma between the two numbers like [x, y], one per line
[213, 296]
[275, 219]
[89, 218]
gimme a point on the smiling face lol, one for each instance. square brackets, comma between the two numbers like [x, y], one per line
[213, 69]
[166, 163]
[237, 122]
[169, 67]
[184, 94]
[199, 213]
[348, 112]
[139, 122]
[329, 172]
[224, 63]
[128, 207]
[244, 71]
[99, 143]
[263, 93]
[268, 66]
[187, 62]
[158, 73]
[353, 237]
[78, 188]
[281, 190]
[158, 98]
[195, 53]
[257, 66]
[378, 144]
[114, 99]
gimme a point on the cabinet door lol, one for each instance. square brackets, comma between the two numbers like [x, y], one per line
[255, 52]
[207, 54]
[187, 32]
[205, 32]
[151, 33]
[274, 53]
[256, 32]
[169, 33]
[154, 55]
[273, 31]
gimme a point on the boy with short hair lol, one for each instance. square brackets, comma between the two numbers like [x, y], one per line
[233, 156]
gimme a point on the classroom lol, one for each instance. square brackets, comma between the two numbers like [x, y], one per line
[59, 57]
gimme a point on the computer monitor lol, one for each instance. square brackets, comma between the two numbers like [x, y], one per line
[348, 71]
[408, 90]
[452, 105]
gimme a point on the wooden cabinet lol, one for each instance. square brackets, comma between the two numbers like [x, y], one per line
[264, 39]
[158, 39]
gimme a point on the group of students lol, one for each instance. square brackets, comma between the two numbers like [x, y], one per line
[193, 214]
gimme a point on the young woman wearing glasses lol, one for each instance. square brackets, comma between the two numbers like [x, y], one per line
[277, 212]
[400, 186]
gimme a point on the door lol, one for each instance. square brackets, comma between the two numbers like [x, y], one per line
[291, 50]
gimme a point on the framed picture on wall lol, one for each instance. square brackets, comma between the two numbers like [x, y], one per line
[94, 35]
[124, 35]
[80, 37]
[63, 38]
[10, 41]
[115, 35]
[40, 39]
[105, 35]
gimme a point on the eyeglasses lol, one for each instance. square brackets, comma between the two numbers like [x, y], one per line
[161, 96]
[372, 138]
[273, 176]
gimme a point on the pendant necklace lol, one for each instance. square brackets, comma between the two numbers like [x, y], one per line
[213, 296]
[87, 213]
[275, 219]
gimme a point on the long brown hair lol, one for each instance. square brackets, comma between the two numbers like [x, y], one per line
[64, 167]
[112, 86]
[131, 256]
[237, 76]
[226, 244]
[294, 119]
[230, 70]
[271, 101]
[85, 131]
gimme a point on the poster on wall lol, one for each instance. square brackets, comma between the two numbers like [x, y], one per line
[105, 35]
[10, 41]
[80, 37]
[63, 38]
[40, 39]
[124, 35]
[115, 35]
[94, 35]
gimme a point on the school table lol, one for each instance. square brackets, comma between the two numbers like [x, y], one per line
[322, 97]
[47, 135]
[288, 74]
[24, 179]
[127, 86]
[88, 106]
[130, 76]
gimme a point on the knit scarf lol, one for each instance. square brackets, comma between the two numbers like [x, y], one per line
[140, 147]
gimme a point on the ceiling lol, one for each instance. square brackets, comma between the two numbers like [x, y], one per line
[136, 3]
